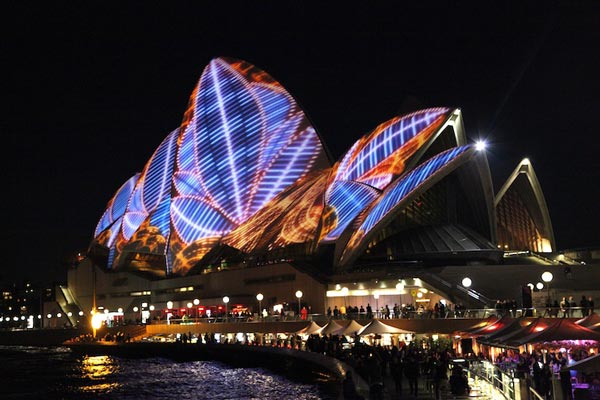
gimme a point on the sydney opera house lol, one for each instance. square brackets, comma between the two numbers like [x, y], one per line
[243, 198]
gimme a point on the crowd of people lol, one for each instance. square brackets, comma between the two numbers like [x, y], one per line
[568, 307]
[405, 364]
[538, 368]
[438, 310]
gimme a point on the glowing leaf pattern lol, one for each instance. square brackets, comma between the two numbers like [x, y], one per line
[400, 190]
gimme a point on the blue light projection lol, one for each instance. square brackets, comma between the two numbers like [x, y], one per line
[373, 161]
[400, 190]
[153, 186]
[247, 170]
[244, 142]
[364, 162]
[117, 205]
[347, 200]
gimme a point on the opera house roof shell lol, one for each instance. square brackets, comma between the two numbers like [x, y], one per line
[247, 172]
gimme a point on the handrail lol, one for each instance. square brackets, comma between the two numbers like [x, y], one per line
[467, 313]
[502, 382]
[535, 394]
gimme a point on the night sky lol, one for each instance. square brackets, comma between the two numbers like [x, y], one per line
[88, 93]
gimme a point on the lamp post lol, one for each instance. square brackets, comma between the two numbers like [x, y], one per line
[547, 277]
[226, 300]
[196, 304]
[345, 294]
[259, 297]
[299, 296]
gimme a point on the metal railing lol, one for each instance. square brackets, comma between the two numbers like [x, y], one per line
[503, 383]
[533, 395]
[468, 313]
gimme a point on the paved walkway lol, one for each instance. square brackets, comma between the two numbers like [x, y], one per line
[425, 391]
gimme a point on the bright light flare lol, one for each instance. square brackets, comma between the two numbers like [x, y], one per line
[480, 145]
[97, 320]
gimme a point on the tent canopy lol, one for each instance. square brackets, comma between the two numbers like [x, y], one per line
[491, 320]
[378, 327]
[352, 328]
[507, 331]
[331, 328]
[562, 329]
[492, 327]
[590, 320]
[312, 329]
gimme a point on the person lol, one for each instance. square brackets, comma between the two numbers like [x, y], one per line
[397, 370]
[565, 377]
[369, 311]
[304, 314]
[590, 305]
[498, 308]
[329, 312]
[459, 384]
[411, 371]
[572, 306]
[584, 306]
[349, 388]
[564, 307]
[438, 373]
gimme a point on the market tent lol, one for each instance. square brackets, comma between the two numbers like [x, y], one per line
[562, 329]
[378, 327]
[312, 329]
[508, 331]
[352, 328]
[538, 325]
[491, 327]
[587, 365]
[478, 326]
[331, 328]
[591, 320]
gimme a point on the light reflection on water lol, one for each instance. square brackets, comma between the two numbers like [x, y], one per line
[98, 369]
[51, 374]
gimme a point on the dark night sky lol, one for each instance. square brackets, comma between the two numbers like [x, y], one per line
[88, 93]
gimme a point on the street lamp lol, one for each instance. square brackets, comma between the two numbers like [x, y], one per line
[299, 296]
[547, 277]
[169, 304]
[226, 300]
[259, 297]
[345, 294]
[467, 282]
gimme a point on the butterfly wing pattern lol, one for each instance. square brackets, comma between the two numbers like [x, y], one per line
[246, 169]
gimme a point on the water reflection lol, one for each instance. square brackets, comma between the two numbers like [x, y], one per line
[53, 373]
[99, 370]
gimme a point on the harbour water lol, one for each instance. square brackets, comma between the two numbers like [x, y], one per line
[56, 373]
